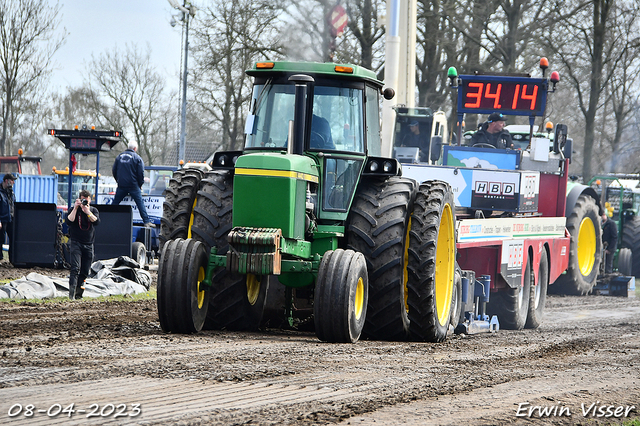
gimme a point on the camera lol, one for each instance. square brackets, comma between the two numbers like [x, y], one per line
[85, 202]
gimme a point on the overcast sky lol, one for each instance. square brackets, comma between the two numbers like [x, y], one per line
[95, 26]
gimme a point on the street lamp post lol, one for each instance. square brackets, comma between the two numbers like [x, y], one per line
[188, 11]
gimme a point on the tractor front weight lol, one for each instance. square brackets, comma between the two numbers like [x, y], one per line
[259, 251]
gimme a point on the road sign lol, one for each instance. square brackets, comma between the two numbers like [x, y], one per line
[338, 20]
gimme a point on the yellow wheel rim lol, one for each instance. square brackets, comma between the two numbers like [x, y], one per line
[253, 288]
[445, 265]
[405, 272]
[191, 218]
[359, 297]
[200, 292]
[586, 246]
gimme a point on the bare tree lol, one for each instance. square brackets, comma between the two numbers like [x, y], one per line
[27, 46]
[134, 95]
[584, 48]
[229, 37]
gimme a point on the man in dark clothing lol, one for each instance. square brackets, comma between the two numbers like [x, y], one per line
[415, 139]
[128, 171]
[610, 242]
[493, 133]
[7, 204]
[81, 221]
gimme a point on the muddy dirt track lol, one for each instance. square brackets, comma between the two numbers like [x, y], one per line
[114, 364]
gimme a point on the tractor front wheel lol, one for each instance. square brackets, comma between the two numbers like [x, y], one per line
[340, 299]
[182, 300]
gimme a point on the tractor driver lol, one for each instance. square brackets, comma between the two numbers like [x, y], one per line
[321, 133]
[493, 133]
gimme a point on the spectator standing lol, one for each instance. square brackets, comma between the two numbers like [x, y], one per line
[128, 171]
[81, 221]
[610, 242]
[7, 205]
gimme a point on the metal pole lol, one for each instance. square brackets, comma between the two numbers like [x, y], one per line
[183, 123]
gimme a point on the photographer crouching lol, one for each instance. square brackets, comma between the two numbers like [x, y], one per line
[81, 221]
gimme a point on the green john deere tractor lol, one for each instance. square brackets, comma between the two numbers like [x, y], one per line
[310, 204]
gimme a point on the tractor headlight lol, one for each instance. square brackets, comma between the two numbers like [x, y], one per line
[380, 166]
[225, 160]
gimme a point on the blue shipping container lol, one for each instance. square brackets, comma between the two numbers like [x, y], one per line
[36, 189]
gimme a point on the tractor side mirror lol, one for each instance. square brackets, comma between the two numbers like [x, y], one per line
[568, 149]
[388, 93]
[560, 138]
[436, 147]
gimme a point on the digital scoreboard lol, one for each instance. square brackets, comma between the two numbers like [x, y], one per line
[510, 95]
[87, 140]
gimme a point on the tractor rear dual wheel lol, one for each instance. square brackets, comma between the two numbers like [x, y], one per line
[431, 262]
[340, 297]
[378, 228]
[179, 200]
[182, 300]
[585, 250]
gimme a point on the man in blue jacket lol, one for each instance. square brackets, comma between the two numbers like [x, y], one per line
[7, 202]
[128, 171]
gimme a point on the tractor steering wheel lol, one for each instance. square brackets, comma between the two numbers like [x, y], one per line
[483, 145]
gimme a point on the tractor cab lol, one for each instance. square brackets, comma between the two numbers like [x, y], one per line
[325, 116]
[415, 130]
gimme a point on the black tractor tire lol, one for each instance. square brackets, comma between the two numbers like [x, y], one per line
[432, 261]
[139, 253]
[340, 296]
[179, 199]
[457, 316]
[212, 212]
[377, 227]
[538, 296]
[631, 239]
[182, 303]
[511, 305]
[237, 301]
[625, 261]
[585, 250]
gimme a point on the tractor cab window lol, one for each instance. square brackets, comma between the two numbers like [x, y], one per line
[272, 107]
[340, 178]
[373, 122]
[29, 167]
[337, 121]
[9, 166]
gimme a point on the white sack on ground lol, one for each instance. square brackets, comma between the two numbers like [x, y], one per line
[108, 279]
